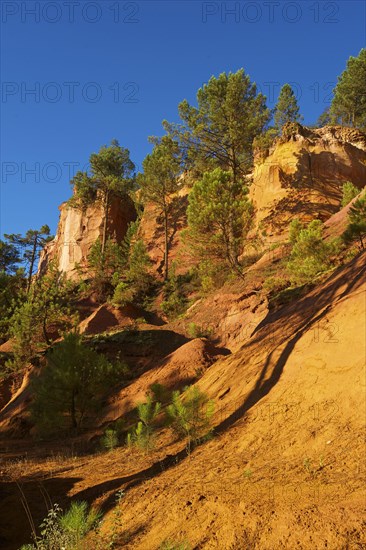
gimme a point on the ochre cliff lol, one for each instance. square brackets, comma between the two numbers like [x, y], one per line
[303, 175]
[77, 231]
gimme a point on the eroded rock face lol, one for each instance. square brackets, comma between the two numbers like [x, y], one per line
[78, 230]
[303, 174]
[152, 233]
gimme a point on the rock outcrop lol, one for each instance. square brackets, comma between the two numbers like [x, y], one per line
[152, 233]
[303, 174]
[78, 230]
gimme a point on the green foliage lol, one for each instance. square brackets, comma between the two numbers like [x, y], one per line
[356, 229]
[105, 267]
[294, 231]
[159, 182]
[110, 439]
[123, 294]
[286, 109]
[9, 258]
[137, 278]
[45, 311]
[265, 140]
[275, 284]
[349, 192]
[12, 295]
[111, 173]
[310, 254]
[190, 414]
[71, 385]
[142, 435]
[197, 331]
[175, 301]
[31, 245]
[349, 102]
[219, 210]
[65, 531]
[219, 132]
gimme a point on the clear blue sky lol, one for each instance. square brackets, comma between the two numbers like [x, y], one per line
[115, 69]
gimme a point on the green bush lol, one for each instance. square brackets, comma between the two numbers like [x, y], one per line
[142, 436]
[190, 414]
[175, 301]
[310, 254]
[34, 320]
[65, 531]
[275, 284]
[124, 294]
[349, 192]
[110, 439]
[356, 228]
[197, 331]
[72, 385]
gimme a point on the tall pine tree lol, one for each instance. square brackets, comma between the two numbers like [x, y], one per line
[349, 103]
[287, 109]
[31, 245]
[111, 174]
[219, 132]
[159, 182]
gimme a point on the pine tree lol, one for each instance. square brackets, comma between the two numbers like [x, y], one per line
[105, 268]
[219, 132]
[286, 109]
[159, 183]
[349, 103]
[45, 310]
[31, 245]
[9, 257]
[356, 228]
[310, 254]
[111, 174]
[219, 217]
[349, 192]
[72, 385]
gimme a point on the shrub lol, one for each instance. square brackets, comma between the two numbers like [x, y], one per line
[310, 254]
[105, 267]
[71, 385]
[175, 301]
[190, 414]
[65, 531]
[275, 284]
[33, 321]
[349, 192]
[356, 229]
[197, 331]
[110, 439]
[123, 294]
[142, 435]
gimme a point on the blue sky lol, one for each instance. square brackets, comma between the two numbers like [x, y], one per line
[115, 69]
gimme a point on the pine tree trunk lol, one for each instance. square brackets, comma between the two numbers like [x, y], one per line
[104, 236]
[166, 246]
[33, 257]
